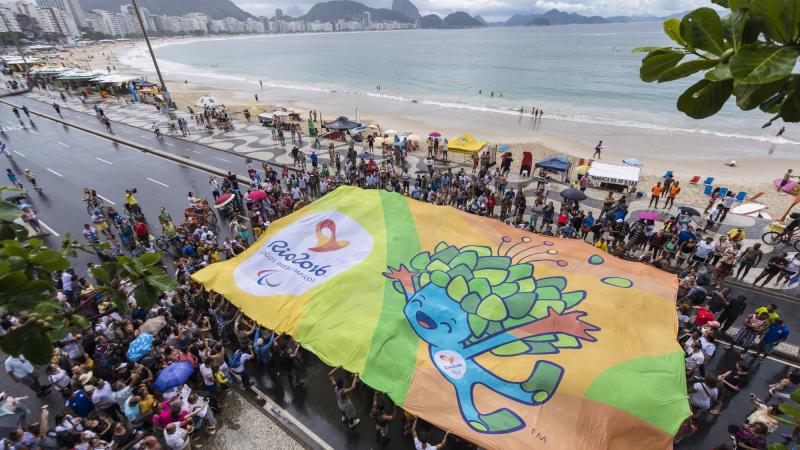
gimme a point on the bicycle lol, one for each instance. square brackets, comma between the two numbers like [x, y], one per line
[778, 235]
[93, 203]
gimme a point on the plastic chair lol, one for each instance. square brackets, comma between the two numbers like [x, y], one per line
[709, 180]
[741, 196]
[708, 190]
[695, 179]
[723, 192]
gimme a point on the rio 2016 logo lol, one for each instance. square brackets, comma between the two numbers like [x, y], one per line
[263, 278]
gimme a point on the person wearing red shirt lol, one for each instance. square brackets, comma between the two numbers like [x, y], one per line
[703, 316]
[142, 233]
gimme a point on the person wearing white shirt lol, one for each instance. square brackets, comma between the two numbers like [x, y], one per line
[695, 358]
[22, 371]
[176, 437]
[704, 249]
[701, 394]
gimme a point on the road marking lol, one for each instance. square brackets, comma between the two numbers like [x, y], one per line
[105, 199]
[197, 151]
[127, 131]
[20, 154]
[171, 145]
[103, 160]
[47, 227]
[34, 132]
[54, 172]
[222, 159]
[158, 182]
[63, 144]
[142, 136]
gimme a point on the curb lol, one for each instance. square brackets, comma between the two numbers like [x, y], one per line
[114, 138]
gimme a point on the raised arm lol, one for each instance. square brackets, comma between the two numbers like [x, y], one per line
[444, 441]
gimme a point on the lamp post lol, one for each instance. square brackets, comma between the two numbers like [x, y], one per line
[152, 55]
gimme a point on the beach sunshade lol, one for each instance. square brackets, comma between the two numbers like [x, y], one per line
[390, 132]
[364, 155]
[466, 144]
[174, 375]
[154, 325]
[435, 134]
[414, 138]
[690, 211]
[280, 113]
[378, 141]
[649, 215]
[223, 200]
[573, 194]
[373, 126]
[309, 150]
[556, 332]
[255, 196]
[341, 123]
[209, 101]
[140, 347]
[504, 148]
[632, 162]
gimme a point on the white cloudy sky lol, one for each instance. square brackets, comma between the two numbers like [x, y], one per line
[499, 9]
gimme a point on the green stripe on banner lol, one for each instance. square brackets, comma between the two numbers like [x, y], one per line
[392, 355]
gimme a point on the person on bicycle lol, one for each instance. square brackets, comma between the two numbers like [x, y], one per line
[12, 177]
[792, 226]
[157, 130]
[4, 151]
[90, 197]
[164, 217]
[32, 179]
[131, 203]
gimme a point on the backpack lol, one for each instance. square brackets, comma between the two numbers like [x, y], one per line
[236, 359]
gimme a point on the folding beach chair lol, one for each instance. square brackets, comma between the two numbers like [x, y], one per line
[741, 196]
[695, 179]
[709, 180]
[723, 192]
[708, 190]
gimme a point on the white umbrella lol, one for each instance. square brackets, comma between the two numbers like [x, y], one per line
[280, 113]
[378, 141]
[414, 138]
[390, 132]
[207, 100]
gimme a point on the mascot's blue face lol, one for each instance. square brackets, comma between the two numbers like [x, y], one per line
[437, 318]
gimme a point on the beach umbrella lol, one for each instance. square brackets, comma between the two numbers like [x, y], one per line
[364, 155]
[341, 123]
[435, 134]
[690, 211]
[223, 200]
[373, 126]
[504, 148]
[309, 150]
[583, 169]
[174, 375]
[209, 101]
[255, 196]
[390, 132]
[280, 113]
[378, 141]
[632, 162]
[414, 138]
[649, 216]
[573, 194]
[140, 347]
[154, 325]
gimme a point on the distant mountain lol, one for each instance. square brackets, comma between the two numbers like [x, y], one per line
[460, 19]
[540, 22]
[431, 21]
[350, 10]
[556, 17]
[216, 9]
[481, 20]
[406, 8]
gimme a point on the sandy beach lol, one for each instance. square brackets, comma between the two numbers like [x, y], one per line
[685, 153]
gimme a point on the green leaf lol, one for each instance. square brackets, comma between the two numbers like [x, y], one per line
[739, 4]
[705, 98]
[31, 340]
[755, 64]
[35, 243]
[686, 69]
[733, 28]
[790, 110]
[702, 29]
[647, 49]
[50, 260]
[148, 260]
[672, 27]
[145, 295]
[9, 211]
[165, 283]
[791, 410]
[780, 19]
[723, 3]
[720, 73]
[773, 104]
[101, 275]
[658, 62]
[777, 445]
[795, 395]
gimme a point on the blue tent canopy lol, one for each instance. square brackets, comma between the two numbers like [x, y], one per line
[554, 164]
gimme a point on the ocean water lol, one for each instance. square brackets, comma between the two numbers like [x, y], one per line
[580, 73]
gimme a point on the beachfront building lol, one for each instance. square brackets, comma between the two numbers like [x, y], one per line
[8, 21]
[112, 24]
[62, 22]
[253, 26]
[147, 18]
[319, 27]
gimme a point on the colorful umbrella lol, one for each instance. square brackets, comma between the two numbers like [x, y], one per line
[414, 138]
[583, 169]
[504, 148]
[255, 196]
[174, 375]
[435, 134]
[649, 216]
[140, 347]
[223, 200]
